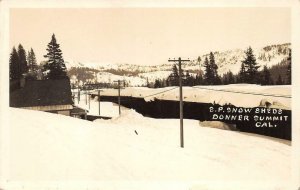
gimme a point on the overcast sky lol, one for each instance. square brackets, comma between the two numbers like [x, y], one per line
[147, 35]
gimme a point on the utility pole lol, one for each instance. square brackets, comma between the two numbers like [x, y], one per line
[99, 101]
[78, 95]
[85, 96]
[119, 93]
[179, 60]
[89, 101]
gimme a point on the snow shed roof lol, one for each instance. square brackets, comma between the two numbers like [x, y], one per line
[78, 111]
[42, 93]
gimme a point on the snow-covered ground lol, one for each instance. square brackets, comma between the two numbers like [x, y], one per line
[91, 105]
[107, 109]
[106, 77]
[240, 95]
[152, 76]
[49, 151]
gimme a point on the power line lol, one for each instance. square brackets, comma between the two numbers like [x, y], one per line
[160, 92]
[240, 92]
[155, 93]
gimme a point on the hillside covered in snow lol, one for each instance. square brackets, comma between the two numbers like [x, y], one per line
[138, 75]
[49, 151]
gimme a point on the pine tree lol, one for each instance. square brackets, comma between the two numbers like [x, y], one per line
[218, 80]
[163, 83]
[55, 66]
[189, 80]
[32, 66]
[225, 79]
[157, 83]
[279, 81]
[28, 60]
[175, 71]
[174, 77]
[251, 67]
[22, 60]
[147, 83]
[230, 77]
[289, 70]
[208, 74]
[199, 62]
[199, 79]
[31, 60]
[271, 82]
[242, 74]
[214, 69]
[266, 76]
[14, 67]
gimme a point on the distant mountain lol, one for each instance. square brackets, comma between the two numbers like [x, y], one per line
[138, 75]
[232, 59]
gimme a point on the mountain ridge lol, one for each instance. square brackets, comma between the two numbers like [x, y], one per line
[229, 60]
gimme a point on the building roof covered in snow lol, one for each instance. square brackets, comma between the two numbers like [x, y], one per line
[42, 93]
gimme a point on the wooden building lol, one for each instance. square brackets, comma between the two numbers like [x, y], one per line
[44, 95]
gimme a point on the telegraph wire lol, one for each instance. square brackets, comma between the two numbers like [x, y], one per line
[239, 92]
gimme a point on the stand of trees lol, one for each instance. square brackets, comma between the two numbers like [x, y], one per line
[83, 74]
[211, 76]
[279, 74]
[22, 65]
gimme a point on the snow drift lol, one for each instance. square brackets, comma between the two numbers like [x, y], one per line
[53, 151]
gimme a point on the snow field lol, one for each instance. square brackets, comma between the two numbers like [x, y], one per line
[107, 109]
[50, 149]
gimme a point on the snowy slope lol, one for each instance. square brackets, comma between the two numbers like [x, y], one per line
[152, 76]
[94, 65]
[232, 59]
[49, 151]
[226, 60]
[106, 77]
[229, 60]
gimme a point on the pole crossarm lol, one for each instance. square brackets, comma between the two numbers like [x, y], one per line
[176, 60]
[119, 80]
[99, 101]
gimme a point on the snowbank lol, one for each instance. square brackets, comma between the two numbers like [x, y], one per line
[134, 152]
[218, 125]
[107, 109]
